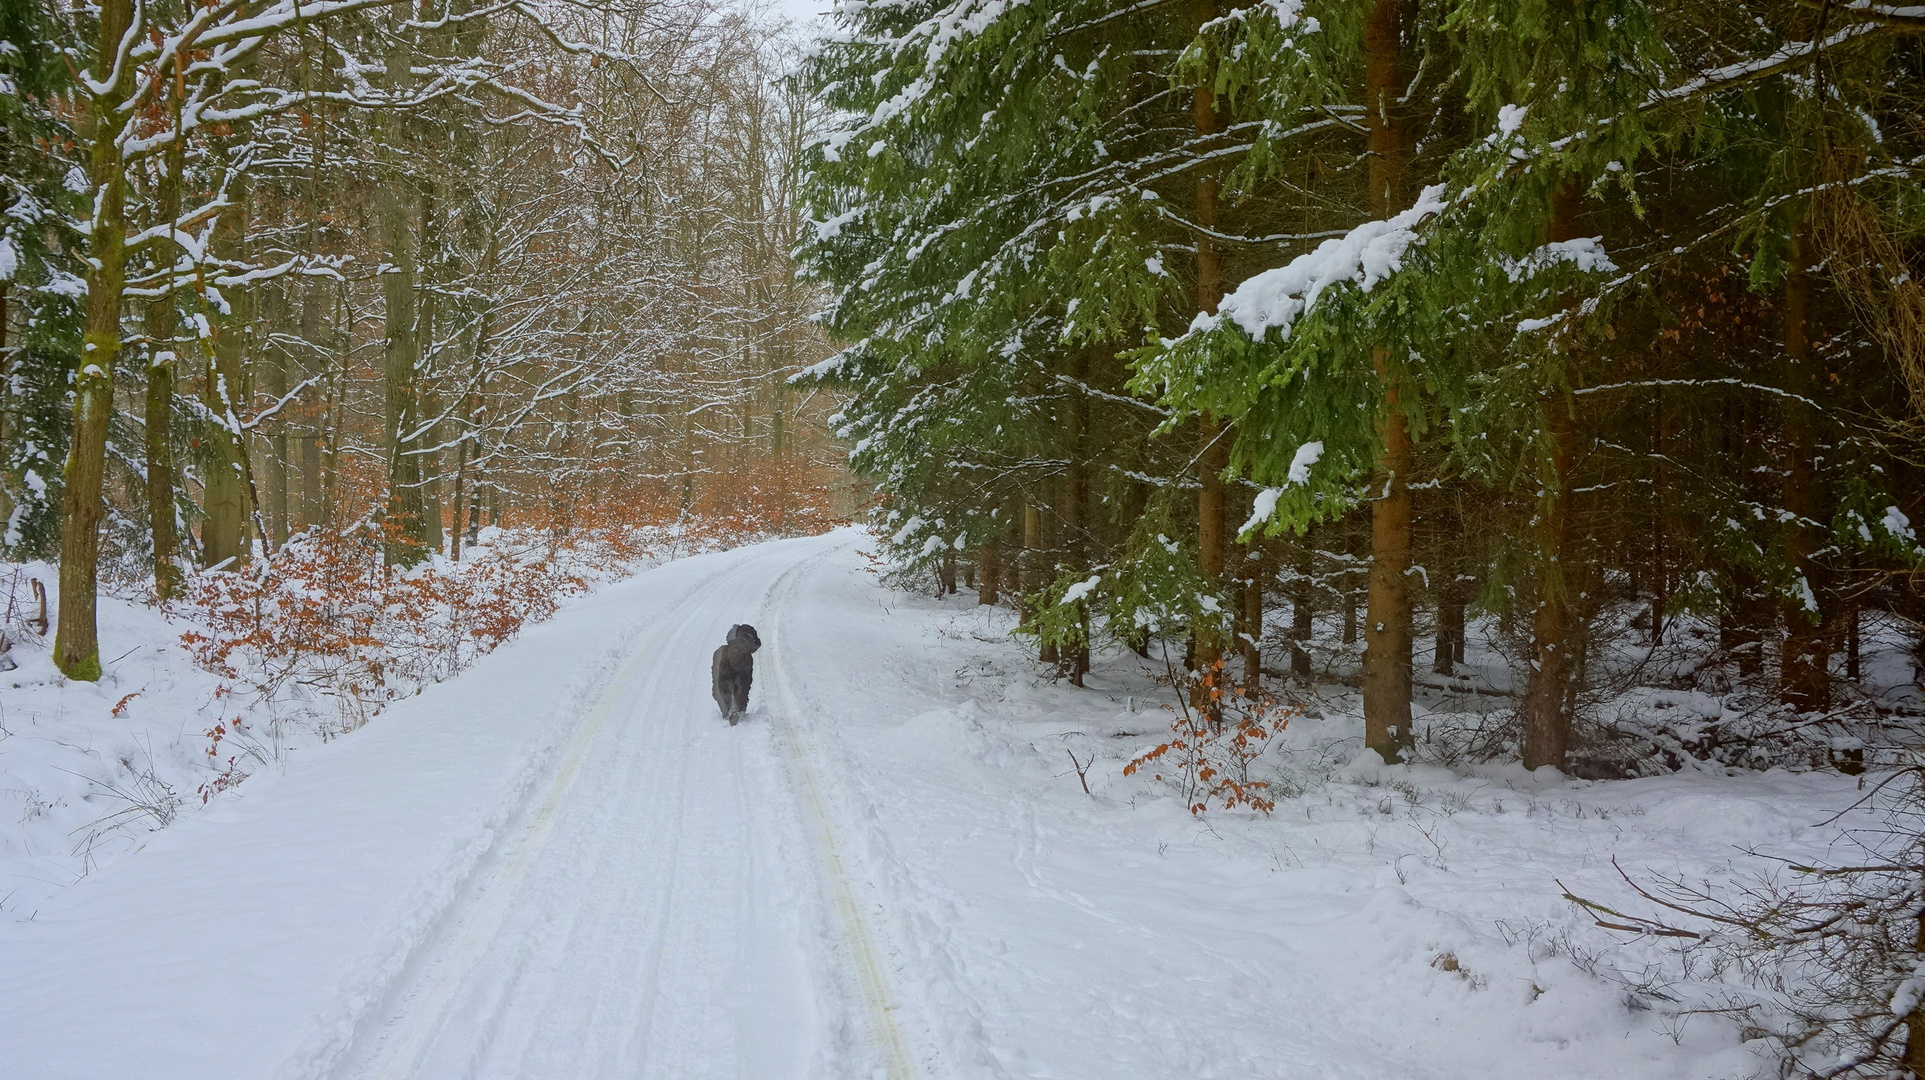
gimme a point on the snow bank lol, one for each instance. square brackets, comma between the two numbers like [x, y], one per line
[1403, 921]
[254, 938]
[89, 770]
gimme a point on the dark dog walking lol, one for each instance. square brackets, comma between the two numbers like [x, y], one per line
[734, 670]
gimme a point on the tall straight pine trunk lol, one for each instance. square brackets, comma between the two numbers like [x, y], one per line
[76, 647]
[989, 569]
[1252, 640]
[1804, 666]
[401, 355]
[313, 435]
[1075, 495]
[1302, 616]
[1545, 709]
[315, 358]
[224, 393]
[426, 457]
[274, 370]
[1448, 646]
[1213, 441]
[468, 414]
[163, 330]
[1387, 620]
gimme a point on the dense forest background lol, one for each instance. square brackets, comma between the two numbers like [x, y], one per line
[383, 274]
[1551, 372]
[1319, 332]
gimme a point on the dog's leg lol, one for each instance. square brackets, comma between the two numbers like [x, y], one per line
[733, 698]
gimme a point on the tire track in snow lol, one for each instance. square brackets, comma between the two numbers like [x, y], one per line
[427, 1008]
[399, 1053]
[340, 1040]
[864, 958]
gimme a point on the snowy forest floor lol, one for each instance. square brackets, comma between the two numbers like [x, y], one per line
[563, 863]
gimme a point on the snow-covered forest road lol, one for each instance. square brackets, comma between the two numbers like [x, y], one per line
[561, 864]
[564, 864]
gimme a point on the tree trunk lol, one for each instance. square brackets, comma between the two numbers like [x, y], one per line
[331, 416]
[989, 570]
[1034, 573]
[7, 427]
[76, 642]
[1852, 619]
[1302, 617]
[1015, 561]
[1212, 458]
[427, 458]
[314, 356]
[1805, 660]
[313, 416]
[1742, 625]
[779, 415]
[1253, 633]
[1547, 726]
[406, 531]
[1660, 446]
[477, 372]
[163, 330]
[1213, 441]
[275, 363]
[1554, 637]
[460, 501]
[1387, 619]
[1075, 495]
[224, 393]
[1449, 643]
[1387, 616]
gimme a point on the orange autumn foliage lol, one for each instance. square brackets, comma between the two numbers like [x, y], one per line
[1209, 751]
[325, 614]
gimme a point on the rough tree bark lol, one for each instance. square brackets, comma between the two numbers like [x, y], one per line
[314, 363]
[427, 459]
[1449, 643]
[1302, 617]
[1387, 620]
[1035, 574]
[76, 641]
[1545, 711]
[275, 362]
[163, 330]
[989, 569]
[1213, 441]
[224, 395]
[1252, 639]
[406, 521]
[1805, 660]
[314, 355]
[1015, 558]
[1075, 494]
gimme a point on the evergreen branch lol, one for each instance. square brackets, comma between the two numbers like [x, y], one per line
[1785, 56]
[1905, 18]
[1107, 396]
[1641, 384]
[1102, 20]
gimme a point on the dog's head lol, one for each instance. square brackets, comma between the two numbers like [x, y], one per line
[744, 635]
